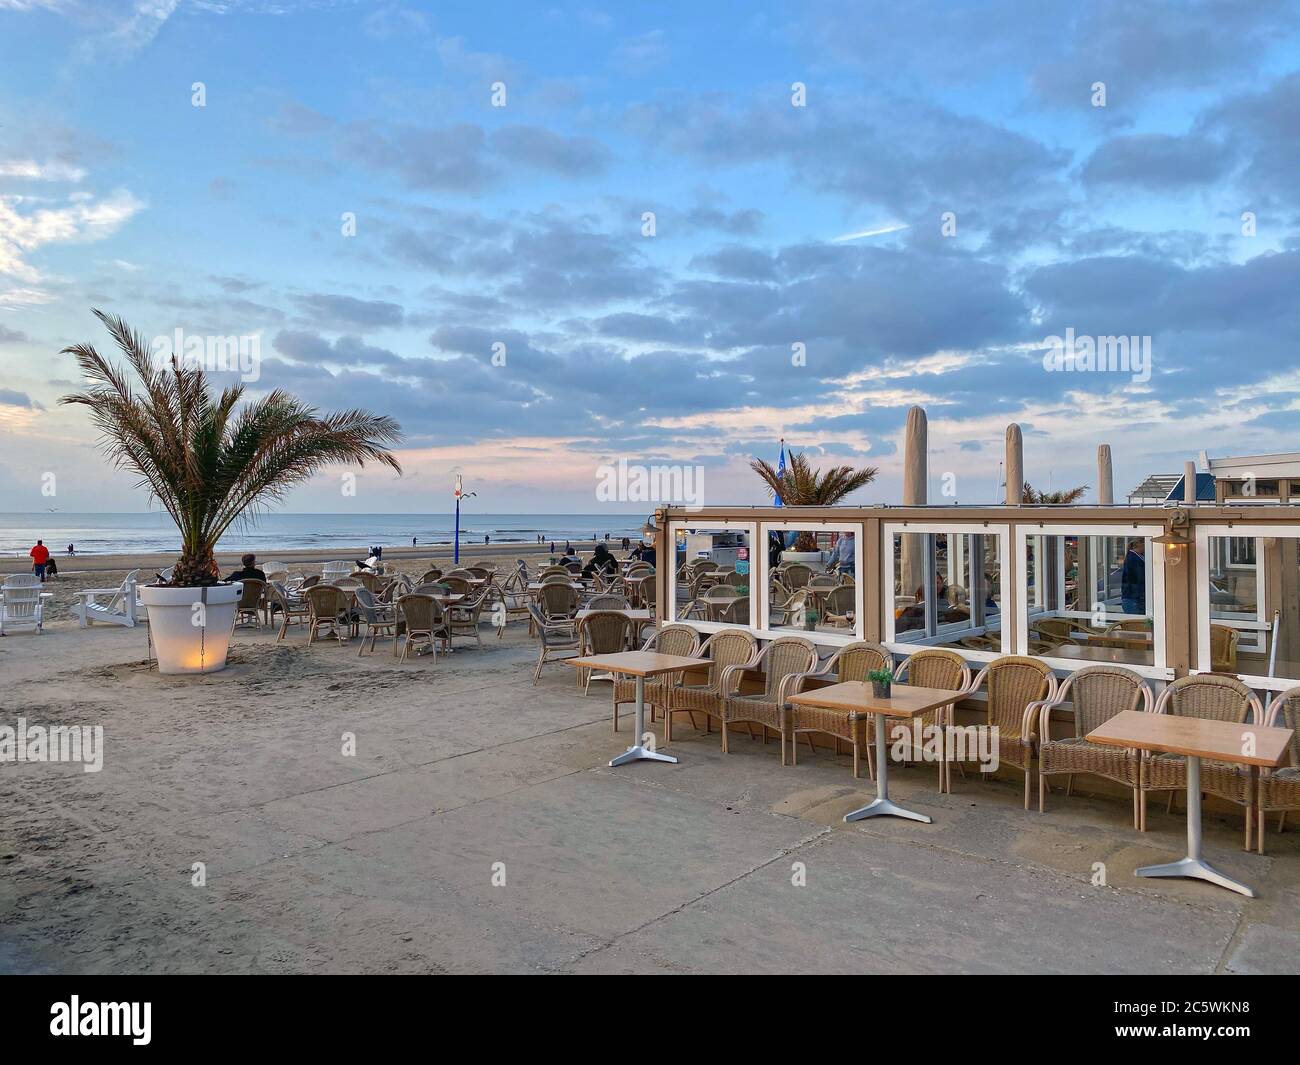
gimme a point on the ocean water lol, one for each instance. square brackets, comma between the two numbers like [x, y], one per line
[106, 534]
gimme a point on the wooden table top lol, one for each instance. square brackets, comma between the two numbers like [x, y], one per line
[637, 663]
[1115, 656]
[904, 699]
[1121, 639]
[1221, 740]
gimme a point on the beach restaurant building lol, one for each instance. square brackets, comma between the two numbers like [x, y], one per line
[1165, 591]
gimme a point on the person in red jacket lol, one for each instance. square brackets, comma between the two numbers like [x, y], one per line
[40, 555]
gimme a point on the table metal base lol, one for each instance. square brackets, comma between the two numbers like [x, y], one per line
[882, 806]
[1194, 867]
[638, 752]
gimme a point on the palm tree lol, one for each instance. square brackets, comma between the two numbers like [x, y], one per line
[207, 462]
[1066, 495]
[803, 486]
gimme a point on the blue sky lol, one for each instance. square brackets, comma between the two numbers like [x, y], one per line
[521, 225]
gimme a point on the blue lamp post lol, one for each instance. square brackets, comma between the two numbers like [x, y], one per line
[458, 492]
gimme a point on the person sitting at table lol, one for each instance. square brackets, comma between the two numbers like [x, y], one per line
[249, 571]
[602, 562]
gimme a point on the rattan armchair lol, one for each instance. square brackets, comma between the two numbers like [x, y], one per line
[293, 609]
[934, 667]
[782, 660]
[327, 605]
[463, 618]
[1279, 789]
[722, 650]
[853, 662]
[252, 601]
[430, 576]
[556, 633]
[1223, 648]
[424, 621]
[839, 606]
[602, 632]
[1211, 697]
[379, 619]
[1016, 688]
[670, 640]
[1097, 694]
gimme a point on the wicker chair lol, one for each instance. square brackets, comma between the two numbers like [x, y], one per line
[1097, 693]
[1279, 789]
[556, 630]
[792, 608]
[327, 606]
[463, 618]
[1211, 697]
[371, 582]
[839, 605]
[293, 610]
[457, 585]
[782, 660]
[252, 601]
[379, 620]
[481, 572]
[430, 576]
[1223, 649]
[424, 620]
[732, 611]
[670, 640]
[726, 648]
[796, 575]
[1017, 687]
[602, 632]
[932, 668]
[608, 602]
[853, 662]
[309, 582]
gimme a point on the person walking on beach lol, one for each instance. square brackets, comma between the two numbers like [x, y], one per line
[40, 555]
[51, 568]
[412, 541]
[72, 550]
[552, 547]
[486, 539]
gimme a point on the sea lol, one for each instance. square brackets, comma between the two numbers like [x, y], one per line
[113, 534]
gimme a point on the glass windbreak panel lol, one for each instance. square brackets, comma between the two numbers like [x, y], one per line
[1089, 598]
[1241, 625]
[812, 581]
[947, 590]
[713, 568]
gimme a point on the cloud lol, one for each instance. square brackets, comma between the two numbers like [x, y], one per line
[12, 336]
[640, 54]
[10, 398]
[1157, 162]
[333, 310]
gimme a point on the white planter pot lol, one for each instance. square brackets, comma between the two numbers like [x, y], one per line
[190, 627]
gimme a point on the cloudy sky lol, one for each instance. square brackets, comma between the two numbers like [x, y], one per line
[691, 229]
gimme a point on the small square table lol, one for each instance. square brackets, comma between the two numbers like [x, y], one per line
[904, 701]
[1196, 738]
[638, 664]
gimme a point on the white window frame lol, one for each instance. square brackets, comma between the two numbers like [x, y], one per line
[827, 639]
[710, 524]
[886, 593]
[1204, 662]
[1155, 569]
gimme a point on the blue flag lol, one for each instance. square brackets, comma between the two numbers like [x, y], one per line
[780, 472]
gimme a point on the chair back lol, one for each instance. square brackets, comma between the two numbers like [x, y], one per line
[310, 582]
[251, 596]
[481, 572]
[22, 597]
[649, 593]
[333, 570]
[1015, 681]
[796, 575]
[784, 656]
[563, 577]
[433, 574]
[326, 601]
[1284, 712]
[458, 585]
[1223, 648]
[608, 602]
[719, 592]
[558, 600]
[675, 640]
[840, 601]
[728, 647]
[734, 611]
[1210, 697]
[936, 668]
[372, 582]
[858, 659]
[278, 594]
[551, 571]
[1098, 693]
[823, 581]
[366, 603]
[420, 611]
[604, 632]
[461, 571]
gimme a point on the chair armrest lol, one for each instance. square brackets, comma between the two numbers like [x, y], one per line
[800, 680]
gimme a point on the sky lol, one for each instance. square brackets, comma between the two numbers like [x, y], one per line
[547, 238]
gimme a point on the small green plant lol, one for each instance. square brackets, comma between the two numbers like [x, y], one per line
[880, 676]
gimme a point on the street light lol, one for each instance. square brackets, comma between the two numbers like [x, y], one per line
[459, 492]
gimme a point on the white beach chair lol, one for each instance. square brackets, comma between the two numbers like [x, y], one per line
[332, 571]
[121, 608]
[22, 603]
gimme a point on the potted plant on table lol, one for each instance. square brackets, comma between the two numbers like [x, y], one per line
[210, 460]
[881, 683]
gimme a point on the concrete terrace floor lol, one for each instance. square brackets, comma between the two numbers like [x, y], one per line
[383, 862]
